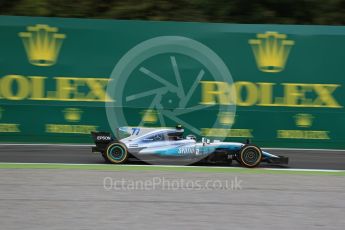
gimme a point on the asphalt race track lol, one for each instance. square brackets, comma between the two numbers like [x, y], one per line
[302, 159]
[58, 198]
[37, 199]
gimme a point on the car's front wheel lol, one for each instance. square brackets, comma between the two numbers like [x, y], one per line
[116, 153]
[250, 156]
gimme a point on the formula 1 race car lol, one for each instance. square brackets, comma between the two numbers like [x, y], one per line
[169, 143]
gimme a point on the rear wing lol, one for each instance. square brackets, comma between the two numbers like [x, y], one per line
[101, 139]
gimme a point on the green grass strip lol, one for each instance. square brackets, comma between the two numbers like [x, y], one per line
[109, 167]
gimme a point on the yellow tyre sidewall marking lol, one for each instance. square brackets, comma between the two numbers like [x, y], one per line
[115, 161]
[259, 159]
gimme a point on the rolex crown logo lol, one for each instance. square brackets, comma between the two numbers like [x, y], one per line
[72, 114]
[271, 51]
[226, 118]
[304, 120]
[42, 44]
[149, 116]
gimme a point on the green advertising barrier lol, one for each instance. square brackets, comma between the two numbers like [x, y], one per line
[280, 86]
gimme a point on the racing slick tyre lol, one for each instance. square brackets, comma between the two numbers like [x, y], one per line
[250, 156]
[116, 153]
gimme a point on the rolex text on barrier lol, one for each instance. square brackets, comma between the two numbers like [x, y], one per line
[280, 86]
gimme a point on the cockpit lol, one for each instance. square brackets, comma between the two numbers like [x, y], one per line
[152, 135]
[164, 136]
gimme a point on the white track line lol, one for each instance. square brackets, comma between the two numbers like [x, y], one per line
[304, 170]
[178, 166]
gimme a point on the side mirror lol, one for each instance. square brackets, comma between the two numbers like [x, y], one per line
[203, 140]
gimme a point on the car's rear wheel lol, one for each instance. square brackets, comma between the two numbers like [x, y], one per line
[116, 153]
[250, 156]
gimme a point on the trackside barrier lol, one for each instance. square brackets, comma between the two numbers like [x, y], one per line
[279, 85]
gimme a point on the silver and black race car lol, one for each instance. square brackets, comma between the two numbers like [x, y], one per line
[169, 143]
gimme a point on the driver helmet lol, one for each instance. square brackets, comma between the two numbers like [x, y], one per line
[190, 137]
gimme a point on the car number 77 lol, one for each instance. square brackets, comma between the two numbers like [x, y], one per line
[135, 131]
